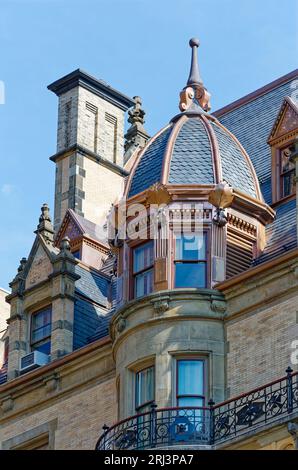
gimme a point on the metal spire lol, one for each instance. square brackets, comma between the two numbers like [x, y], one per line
[194, 74]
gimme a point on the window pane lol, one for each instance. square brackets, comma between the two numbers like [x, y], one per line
[143, 257]
[288, 183]
[44, 347]
[190, 246]
[144, 283]
[144, 386]
[190, 377]
[190, 401]
[41, 324]
[190, 275]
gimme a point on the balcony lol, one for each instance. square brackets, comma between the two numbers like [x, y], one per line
[215, 424]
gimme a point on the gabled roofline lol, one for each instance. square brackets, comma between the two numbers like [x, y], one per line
[256, 94]
[287, 101]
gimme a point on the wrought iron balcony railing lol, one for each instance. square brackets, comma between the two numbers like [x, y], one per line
[168, 427]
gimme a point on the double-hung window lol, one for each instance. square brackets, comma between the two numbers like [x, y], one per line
[145, 389]
[41, 326]
[191, 260]
[143, 259]
[190, 382]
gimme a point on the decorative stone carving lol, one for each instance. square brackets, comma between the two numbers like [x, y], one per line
[136, 135]
[51, 382]
[45, 227]
[121, 324]
[7, 404]
[161, 305]
[218, 306]
[158, 194]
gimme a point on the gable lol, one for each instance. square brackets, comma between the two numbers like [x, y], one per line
[69, 228]
[40, 268]
[286, 121]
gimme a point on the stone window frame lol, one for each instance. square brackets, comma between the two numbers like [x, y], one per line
[132, 370]
[40, 435]
[32, 314]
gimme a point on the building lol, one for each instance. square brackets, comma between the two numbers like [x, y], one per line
[159, 308]
[4, 314]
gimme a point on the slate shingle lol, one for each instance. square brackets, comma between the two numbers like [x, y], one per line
[191, 161]
[149, 167]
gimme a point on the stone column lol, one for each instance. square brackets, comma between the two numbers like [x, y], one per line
[18, 337]
[63, 289]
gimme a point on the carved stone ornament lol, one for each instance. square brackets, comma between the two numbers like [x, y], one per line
[7, 404]
[161, 305]
[121, 324]
[158, 194]
[222, 195]
[218, 306]
[186, 98]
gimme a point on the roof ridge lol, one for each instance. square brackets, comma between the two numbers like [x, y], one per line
[256, 93]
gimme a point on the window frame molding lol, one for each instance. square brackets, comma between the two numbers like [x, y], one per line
[206, 357]
[140, 408]
[132, 276]
[207, 230]
[277, 145]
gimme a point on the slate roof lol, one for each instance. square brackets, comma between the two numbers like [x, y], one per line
[93, 293]
[192, 146]
[149, 169]
[235, 168]
[88, 318]
[251, 123]
[92, 285]
[192, 156]
[95, 231]
[281, 235]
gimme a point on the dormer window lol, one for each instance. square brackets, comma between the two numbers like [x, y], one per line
[143, 260]
[191, 260]
[287, 173]
[41, 326]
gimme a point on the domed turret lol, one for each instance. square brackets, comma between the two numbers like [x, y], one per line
[194, 148]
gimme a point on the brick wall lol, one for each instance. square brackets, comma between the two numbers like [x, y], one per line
[259, 345]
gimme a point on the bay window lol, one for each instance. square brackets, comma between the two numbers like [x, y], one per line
[143, 259]
[41, 326]
[145, 389]
[191, 260]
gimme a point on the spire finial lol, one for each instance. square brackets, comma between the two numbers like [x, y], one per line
[45, 227]
[194, 97]
[194, 74]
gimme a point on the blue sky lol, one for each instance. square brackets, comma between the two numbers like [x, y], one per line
[139, 47]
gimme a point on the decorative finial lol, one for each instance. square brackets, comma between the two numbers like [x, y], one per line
[136, 114]
[194, 74]
[136, 136]
[23, 261]
[45, 213]
[194, 96]
[65, 245]
[45, 227]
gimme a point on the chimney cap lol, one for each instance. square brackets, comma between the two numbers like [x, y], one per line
[100, 88]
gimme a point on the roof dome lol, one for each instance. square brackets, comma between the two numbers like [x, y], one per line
[194, 148]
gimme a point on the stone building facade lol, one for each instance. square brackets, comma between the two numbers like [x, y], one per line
[159, 308]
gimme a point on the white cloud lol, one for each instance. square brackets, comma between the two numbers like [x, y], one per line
[7, 189]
